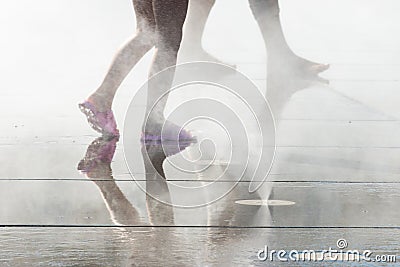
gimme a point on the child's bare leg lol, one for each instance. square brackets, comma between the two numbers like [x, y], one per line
[157, 192]
[170, 16]
[124, 61]
[127, 56]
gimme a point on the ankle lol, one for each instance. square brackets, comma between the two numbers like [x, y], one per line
[101, 102]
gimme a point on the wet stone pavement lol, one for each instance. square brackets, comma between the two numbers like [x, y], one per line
[68, 197]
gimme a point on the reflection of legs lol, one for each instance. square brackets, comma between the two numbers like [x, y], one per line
[121, 210]
[156, 186]
[266, 13]
[128, 56]
[97, 166]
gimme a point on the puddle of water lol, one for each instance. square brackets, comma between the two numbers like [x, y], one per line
[263, 202]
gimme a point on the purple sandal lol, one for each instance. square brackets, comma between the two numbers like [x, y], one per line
[101, 121]
[169, 147]
[171, 132]
[173, 139]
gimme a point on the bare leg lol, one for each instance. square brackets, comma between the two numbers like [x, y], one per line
[127, 56]
[198, 13]
[266, 13]
[192, 49]
[169, 16]
[157, 192]
[97, 166]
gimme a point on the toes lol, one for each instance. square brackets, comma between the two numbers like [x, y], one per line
[317, 68]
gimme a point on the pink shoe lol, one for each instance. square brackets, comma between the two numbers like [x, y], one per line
[101, 121]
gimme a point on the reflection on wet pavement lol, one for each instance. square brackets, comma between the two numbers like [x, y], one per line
[178, 246]
[69, 198]
[334, 181]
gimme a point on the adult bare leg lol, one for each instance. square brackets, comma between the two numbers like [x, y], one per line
[97, 107]
[169, 16]
[127, 57]
[192, 49]
[266, 13]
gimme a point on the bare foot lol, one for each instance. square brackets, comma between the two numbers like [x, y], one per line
[308, 66]
[296, 67]
[101, 102]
